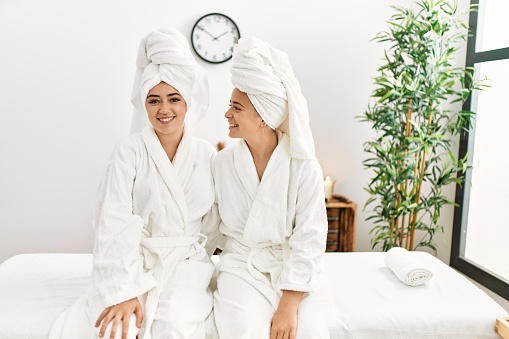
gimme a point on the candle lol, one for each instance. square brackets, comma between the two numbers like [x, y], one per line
[328, 187]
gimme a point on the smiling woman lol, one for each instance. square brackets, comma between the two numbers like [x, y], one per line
[243, 119]
[149, 258]
[270, 198]
[166, 110]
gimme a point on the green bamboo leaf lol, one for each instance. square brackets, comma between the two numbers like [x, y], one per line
[386, 95]
[417, 73]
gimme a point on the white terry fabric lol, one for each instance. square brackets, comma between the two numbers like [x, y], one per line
[265, 74]
[406, 267]
[253, 218]
[164, 55]
[373, 304]
[247, 313]
[147, 219]
[272, 244]
[80, 325]
[270, 200]
[36, 288]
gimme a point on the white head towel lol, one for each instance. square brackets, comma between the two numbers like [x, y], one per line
[164, 55]
[406, 267]
[266, 75]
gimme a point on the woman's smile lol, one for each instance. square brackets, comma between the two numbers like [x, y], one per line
[166, 120]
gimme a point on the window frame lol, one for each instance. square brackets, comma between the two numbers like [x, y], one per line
[460, 222]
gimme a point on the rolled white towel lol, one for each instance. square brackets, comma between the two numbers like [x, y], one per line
[406, 267]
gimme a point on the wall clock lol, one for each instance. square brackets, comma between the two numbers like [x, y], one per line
[213, 37]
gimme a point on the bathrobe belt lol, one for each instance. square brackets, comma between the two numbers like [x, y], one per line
[262, 259]
[161, 255]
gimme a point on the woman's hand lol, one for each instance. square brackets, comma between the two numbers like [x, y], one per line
[120, 313]
[284, 322]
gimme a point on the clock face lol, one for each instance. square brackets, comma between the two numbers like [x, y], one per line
[213, 37]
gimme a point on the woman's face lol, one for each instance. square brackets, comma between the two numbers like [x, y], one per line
[244, 121]
[166, 109]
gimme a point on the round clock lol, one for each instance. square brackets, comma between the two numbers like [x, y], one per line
[213, 37]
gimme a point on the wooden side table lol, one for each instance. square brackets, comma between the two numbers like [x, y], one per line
[342, 219]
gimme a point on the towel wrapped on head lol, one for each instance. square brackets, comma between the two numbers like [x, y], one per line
[164, 55]
[266, 76]
[406, 267]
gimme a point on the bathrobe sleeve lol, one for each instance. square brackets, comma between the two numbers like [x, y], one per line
[211, 220]
[118, 272]
[309, 237]
[210, 223]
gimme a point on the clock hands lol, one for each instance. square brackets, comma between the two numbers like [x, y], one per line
[206, 32]
[214, 27]
[220, 35]
[213, 37]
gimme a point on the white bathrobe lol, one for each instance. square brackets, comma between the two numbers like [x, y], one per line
[148, 219]
[276, 233]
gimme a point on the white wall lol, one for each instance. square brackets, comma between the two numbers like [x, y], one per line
[66, 70]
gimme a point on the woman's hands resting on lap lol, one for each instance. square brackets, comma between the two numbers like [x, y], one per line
[120, 313]
[284, 322]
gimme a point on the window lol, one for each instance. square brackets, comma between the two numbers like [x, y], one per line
[480, 244]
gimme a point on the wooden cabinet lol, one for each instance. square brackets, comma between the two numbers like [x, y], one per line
[342, 219]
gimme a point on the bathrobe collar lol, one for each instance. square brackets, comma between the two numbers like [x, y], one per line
[267, 217]
[175, 175]
[246, 170]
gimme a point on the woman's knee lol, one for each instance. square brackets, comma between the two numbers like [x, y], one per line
[240, 310]
[312, 321]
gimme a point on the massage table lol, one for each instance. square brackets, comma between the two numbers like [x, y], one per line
[370, 301]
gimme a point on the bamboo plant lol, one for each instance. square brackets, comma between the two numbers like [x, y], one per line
[411, 155]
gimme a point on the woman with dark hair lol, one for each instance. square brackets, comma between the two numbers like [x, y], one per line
[150, 266]
[269, 192]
